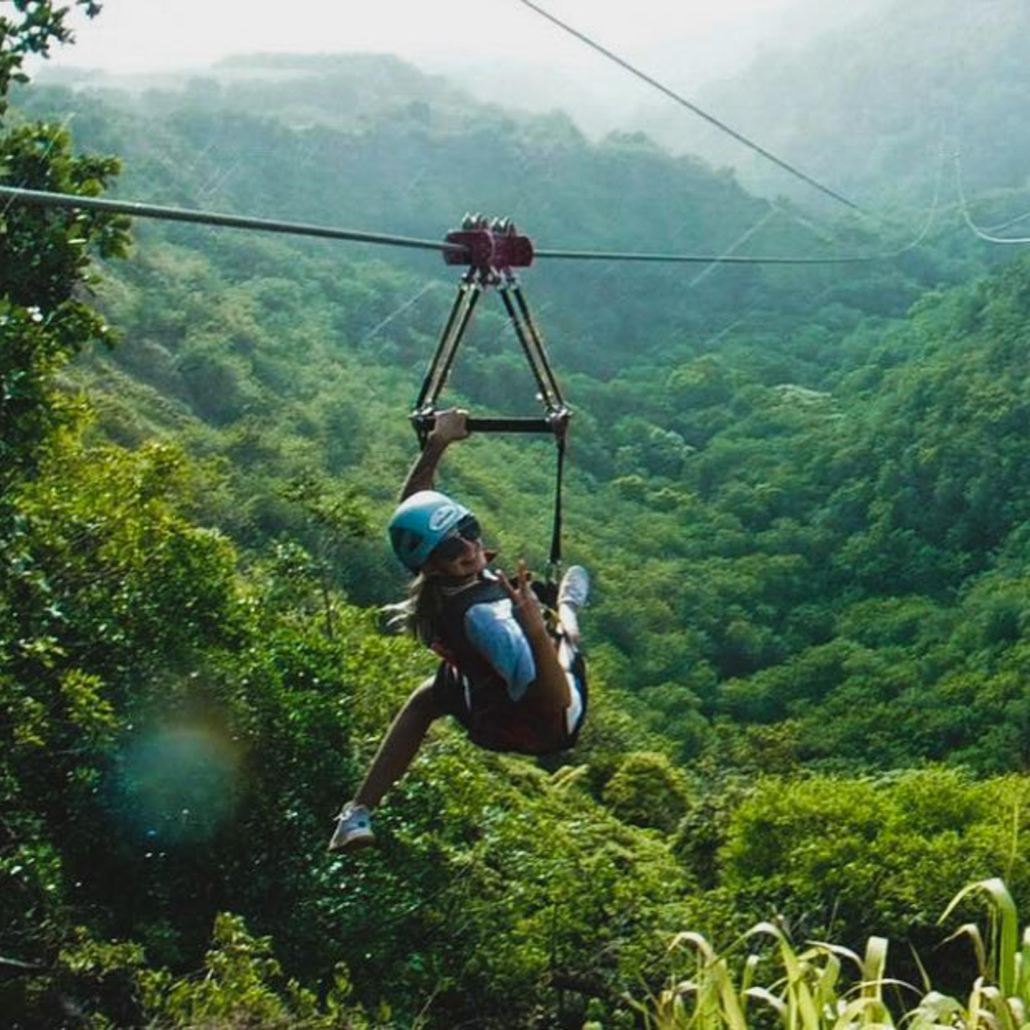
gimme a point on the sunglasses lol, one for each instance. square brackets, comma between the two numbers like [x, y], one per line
[452, 546]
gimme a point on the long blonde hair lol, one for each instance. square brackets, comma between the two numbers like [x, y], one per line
[419, 613]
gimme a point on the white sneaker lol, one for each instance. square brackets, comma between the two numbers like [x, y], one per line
[353, 829]
[574, 587]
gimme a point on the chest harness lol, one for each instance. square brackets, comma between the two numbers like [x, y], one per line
[470, 689]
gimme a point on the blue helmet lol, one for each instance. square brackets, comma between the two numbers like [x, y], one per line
[421, 522]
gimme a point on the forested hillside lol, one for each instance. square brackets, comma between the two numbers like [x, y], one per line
[896, 89]
[803, 494]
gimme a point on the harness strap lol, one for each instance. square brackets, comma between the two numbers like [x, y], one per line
[555, 559]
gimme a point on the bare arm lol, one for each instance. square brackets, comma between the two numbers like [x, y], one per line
[551, 685]
[450, 425]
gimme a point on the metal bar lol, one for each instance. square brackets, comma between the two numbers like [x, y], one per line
[425, 421]
[436, 377]
[556, 400]
[444, 342]
[527, 349]
[510, 425]
[475, 291]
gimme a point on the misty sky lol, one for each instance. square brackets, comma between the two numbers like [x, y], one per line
[691, 39]
[499, 51]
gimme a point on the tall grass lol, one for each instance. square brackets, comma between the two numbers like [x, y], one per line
[828, 987]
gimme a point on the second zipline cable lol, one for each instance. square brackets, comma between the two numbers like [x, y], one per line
[693, 108]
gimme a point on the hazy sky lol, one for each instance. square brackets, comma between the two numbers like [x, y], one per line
[692, 37]
[499, 51]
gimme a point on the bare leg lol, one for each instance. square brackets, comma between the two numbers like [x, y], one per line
[400, 745]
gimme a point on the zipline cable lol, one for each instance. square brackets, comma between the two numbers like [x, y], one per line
[1007, 223]
[430, 285]
[590, 255]
[732, 259]
[935, 203]
[45, 198]
[964, 207]
[703, 259]
[683, 102]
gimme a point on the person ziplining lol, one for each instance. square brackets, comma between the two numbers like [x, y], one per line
[511, 673]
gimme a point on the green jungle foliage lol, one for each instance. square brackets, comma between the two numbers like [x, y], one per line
[826, 985]
[803, 497]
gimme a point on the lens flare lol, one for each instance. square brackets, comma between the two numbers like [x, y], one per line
[177, 785]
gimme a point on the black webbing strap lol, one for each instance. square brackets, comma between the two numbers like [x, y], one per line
[555, 559]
